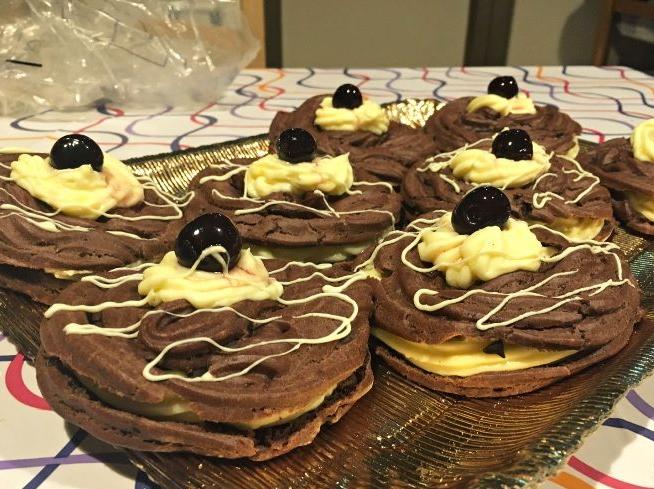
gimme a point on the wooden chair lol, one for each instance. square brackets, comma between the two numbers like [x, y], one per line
[637, 8]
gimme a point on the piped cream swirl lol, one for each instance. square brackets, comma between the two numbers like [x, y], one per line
[520, 104]
[642, 141]
[482, 166]
[482, 255]
[81, 192]
[369, 116]
[169, 281]
[270, 174]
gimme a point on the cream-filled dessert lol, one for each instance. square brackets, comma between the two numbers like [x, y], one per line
[468, 119]
[476, 303]
[221, 353]
[347, 122]
[626, 167]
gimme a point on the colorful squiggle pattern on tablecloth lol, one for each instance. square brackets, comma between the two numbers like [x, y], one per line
[608, 102]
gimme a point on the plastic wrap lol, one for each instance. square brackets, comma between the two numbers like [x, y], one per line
[71, 54]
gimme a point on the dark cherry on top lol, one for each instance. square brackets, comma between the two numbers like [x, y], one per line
[205, 231]
[481, 207]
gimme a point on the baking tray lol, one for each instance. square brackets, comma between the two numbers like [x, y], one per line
[400, 435]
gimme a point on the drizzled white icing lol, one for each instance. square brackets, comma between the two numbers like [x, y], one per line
[415, 232]
[540, 199]
[342, 329]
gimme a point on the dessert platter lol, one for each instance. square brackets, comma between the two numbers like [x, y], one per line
[411, 295]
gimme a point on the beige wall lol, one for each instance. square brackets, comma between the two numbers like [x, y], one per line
[365, 33]
[553, 32]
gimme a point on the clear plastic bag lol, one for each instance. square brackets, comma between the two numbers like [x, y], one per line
[71, 54]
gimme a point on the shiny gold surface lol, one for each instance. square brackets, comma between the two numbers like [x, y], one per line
[401, 435]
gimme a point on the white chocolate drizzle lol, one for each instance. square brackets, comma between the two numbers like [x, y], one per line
[264, 204]
[414, 231]
[539, 200]
[343, 328]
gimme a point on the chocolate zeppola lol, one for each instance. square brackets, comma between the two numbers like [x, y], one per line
[542, 187]
[294, 205]
[626, 168]
[210, 350]
[74, 212]
[476, 303]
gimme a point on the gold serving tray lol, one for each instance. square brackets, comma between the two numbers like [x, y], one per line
[400, 435]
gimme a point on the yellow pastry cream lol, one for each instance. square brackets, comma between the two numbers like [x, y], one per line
[270, 174]
[80, 192]
[578, 229]
[369, 116]
[482, 166]
[573, 152]
[313, 254]
[520, 104]
[642, 141]
[462, 358]
[169, 281]
[178, 409]
[483, 255]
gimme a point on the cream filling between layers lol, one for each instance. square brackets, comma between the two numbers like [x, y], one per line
[643, 204]
[482, 255]
[81, 192]
[169, 281]
[312, 254]
[369, 116]
[578, 229]
[178, 409]
[520, 104]
[642, 141]
[330, 175]
[463, 358]
[573, 152]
